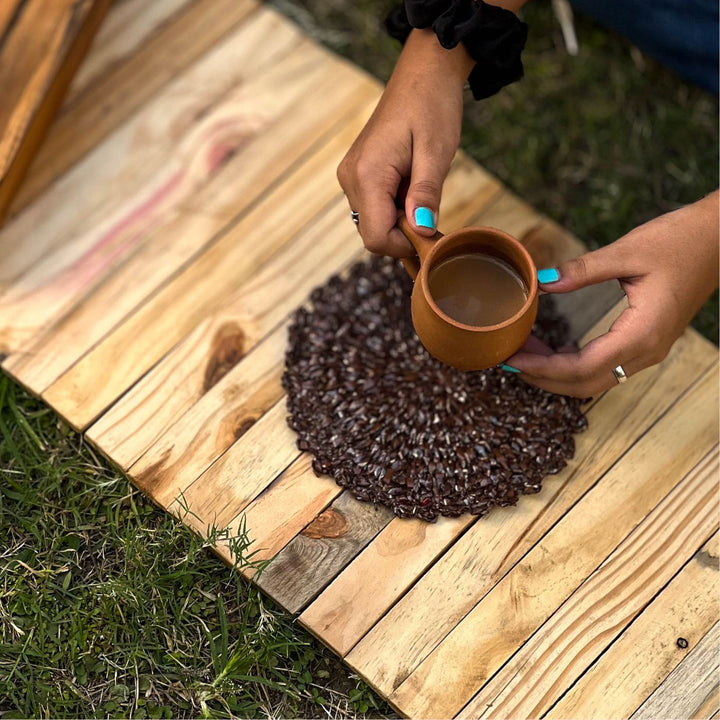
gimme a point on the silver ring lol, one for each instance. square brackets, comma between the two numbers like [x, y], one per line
[619, 374]
[355, 217]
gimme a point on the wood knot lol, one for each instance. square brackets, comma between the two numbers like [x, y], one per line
[226, 351]
[328, 524]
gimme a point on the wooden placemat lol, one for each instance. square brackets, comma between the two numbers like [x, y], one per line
[146, 284]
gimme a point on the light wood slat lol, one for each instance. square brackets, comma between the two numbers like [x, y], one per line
[352, 604]
[144, 152]
[419, 621]
[194, 295]
[691, 689]
[128, 25]
[171, 244]
[147, 405]
[641, 658]
[315, 556]
[40, 49]
[588, 622]
[475, 649]
[63, 278]
[117, 92]
[549, 245]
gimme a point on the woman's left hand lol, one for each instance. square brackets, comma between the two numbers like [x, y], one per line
[667, 267]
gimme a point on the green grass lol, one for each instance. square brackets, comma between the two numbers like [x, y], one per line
[111, 608]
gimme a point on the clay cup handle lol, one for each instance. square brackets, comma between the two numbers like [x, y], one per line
[423, 245]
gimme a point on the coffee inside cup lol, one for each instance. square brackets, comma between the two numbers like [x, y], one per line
[477, 288]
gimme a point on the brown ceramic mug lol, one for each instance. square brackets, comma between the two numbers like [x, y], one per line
[468, 347]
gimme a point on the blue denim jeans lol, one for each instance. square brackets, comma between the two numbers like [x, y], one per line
[682, 34]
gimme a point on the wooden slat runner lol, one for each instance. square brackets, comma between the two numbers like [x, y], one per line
[186, 205]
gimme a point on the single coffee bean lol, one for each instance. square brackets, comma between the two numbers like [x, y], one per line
[399, 428]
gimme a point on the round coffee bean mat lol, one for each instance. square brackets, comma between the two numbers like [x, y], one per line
[397, 427]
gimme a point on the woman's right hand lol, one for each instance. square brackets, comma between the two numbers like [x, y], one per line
[412, 136]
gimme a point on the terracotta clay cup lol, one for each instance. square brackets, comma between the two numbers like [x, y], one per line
[468, 347]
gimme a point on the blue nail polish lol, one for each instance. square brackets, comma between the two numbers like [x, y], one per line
[509, 368]
[548, 275]
[424, 218]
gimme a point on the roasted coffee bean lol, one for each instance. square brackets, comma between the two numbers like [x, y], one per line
[395, 426]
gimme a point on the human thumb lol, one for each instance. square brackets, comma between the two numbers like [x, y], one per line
[423, 196]
[607, 263]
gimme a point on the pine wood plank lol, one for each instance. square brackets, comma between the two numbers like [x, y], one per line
[128, 25]
[401, 639]
[226, 267]
[314, 557]
[220, 197]
[80, 198]
[150, 51]
[42, 46]
[8, 12]
[605, 604]
[62, 278]
[476, 648]
[148, 406]
[639, 661]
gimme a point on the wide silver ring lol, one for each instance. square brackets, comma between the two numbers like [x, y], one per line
[619, 374]
[355, 217]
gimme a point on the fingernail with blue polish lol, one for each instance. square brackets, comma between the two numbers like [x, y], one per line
[509, 368]
[548, 275]
[424, 218]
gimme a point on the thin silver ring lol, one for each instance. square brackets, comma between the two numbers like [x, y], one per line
[355, 217]
[619, 374]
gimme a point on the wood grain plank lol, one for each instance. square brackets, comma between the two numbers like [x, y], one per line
[41, 49]
[691, 689]
[221, 197]
[61, 279]
[605, 604]
[128, 25]
[641, 658]
[427, 613]
[476, 648]
[113, 92]
[9, 10]
[313, 558]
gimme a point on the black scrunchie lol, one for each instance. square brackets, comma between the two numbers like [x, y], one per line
[493, 36]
